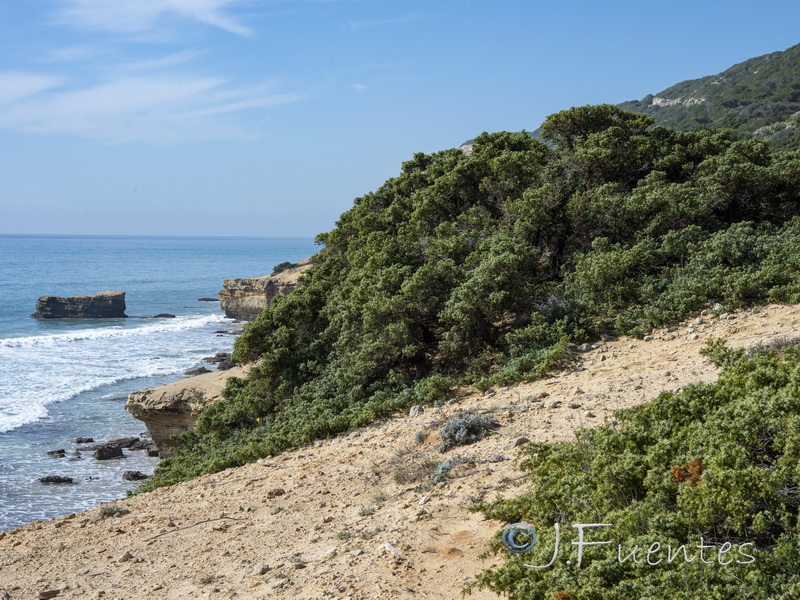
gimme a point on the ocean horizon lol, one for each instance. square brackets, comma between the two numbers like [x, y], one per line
[61, 379]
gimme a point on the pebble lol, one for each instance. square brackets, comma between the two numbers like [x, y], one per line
[553, 403]
[416, 410]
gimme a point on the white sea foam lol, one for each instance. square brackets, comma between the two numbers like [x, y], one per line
[111, 332]
[36, 371]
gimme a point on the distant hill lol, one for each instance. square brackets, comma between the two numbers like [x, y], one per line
[760, 97]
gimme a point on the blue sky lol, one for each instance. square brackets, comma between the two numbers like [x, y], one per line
[266, 118]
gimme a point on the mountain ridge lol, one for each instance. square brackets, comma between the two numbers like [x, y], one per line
[758, 97]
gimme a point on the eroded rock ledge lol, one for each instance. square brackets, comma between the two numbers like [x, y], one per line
[244, 299]
[102, 305]
[173, 408]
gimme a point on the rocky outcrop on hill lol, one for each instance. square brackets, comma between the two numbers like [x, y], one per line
[173, 408]
[102, 305]
[244, 299]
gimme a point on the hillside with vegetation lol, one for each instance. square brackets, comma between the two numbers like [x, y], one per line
[382, 513]
[482, 269]
[759, 97]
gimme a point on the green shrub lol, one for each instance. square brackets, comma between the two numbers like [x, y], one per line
[719, 461]
[465, 430]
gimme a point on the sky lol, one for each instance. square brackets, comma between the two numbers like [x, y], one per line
[269, 117]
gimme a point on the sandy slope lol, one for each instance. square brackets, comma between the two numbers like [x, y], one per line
[331, 520]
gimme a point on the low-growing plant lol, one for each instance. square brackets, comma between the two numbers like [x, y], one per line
[280, 268]
[718, 462]
[466, 429]
[418, 470]
[442, 471]
[112, 510]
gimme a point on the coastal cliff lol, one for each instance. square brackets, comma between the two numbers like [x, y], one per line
[173, 408]
[102, 305]
[245, 298]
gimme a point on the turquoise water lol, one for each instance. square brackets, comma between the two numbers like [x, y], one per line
[62, 379]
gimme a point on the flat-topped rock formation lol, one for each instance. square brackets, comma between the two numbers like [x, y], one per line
[173, 408]
[102, 305]
[244, 299]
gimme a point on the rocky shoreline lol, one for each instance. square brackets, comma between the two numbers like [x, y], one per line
[165, 410]
[173, 408]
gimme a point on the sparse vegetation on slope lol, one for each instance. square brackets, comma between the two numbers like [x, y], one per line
[714, 464]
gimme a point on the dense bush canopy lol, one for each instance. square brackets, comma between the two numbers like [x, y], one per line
[481, 268]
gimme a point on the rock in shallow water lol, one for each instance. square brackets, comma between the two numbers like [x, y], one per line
[102, 305]
[108, 453]
[56, 479]
[199, 371]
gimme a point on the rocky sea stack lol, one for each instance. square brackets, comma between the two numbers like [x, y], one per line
[102, 305]
[244, 299]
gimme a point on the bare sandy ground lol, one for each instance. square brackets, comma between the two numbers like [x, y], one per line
[345, 518]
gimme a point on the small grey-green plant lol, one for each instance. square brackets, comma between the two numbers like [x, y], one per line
[415, 471]
[467, 429]
[112, 510]
[443, 469]
[779, 343]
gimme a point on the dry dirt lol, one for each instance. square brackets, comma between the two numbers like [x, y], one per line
[343, 518]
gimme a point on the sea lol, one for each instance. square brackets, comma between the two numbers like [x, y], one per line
[61, 379]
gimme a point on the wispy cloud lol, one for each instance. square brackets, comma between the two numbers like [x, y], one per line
[153, 108]
[359, 25]
[72, 53]
[359, 87]
[16, 86]
[135, 16]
